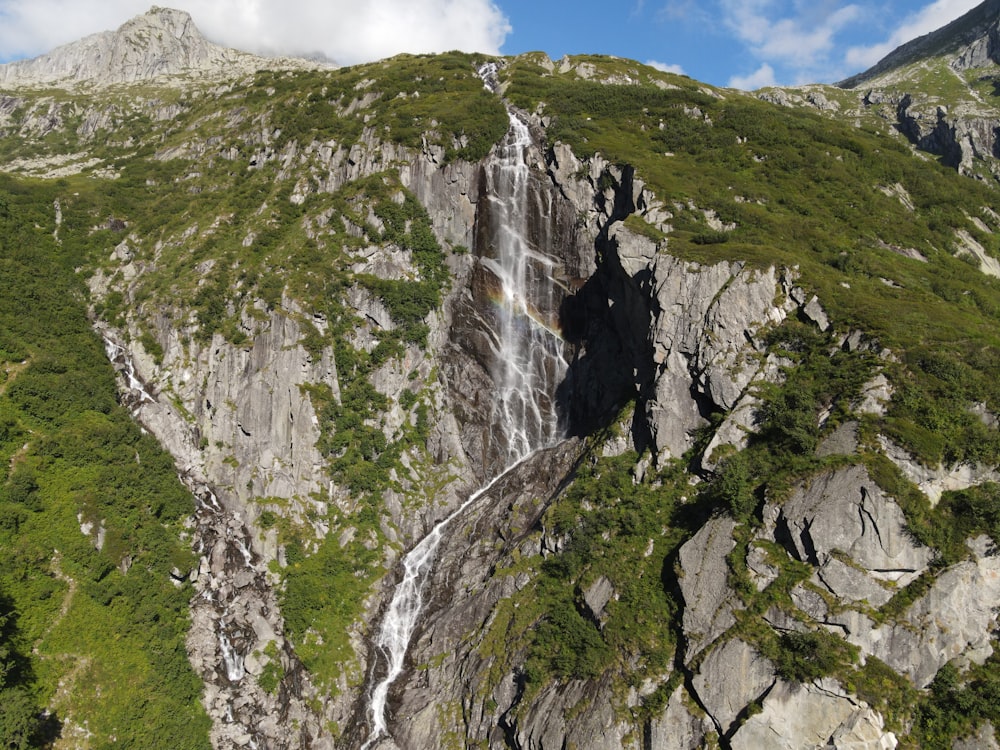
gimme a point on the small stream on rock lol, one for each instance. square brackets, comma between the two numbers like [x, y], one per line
[235, 608]
[527, 366]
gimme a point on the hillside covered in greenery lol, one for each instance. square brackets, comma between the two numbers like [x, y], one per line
[343, 207]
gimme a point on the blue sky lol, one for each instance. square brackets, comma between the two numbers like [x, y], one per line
[747, 43]
[742, 43]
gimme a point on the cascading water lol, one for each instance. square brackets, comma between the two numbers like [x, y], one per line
[527, 366]
[528, 348]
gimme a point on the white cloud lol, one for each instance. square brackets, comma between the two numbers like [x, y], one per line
[801, 37]
[665, 67]
[347, 31]
[929, 18]
[763, 76]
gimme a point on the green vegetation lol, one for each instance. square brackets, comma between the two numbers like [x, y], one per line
[958, 704]
[410, 99]
[818, 378]
[241, 206]
[323, 597]
[811, 655]
[107, 623]
[615, 528]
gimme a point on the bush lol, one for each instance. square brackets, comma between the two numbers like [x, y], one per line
[812, 655]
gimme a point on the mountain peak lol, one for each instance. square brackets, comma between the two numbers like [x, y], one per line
[163, 42]
[971, 41]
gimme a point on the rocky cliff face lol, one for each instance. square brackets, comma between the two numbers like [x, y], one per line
[325, 428]
[684, 341]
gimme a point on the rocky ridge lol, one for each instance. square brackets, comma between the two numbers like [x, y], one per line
[162, 43]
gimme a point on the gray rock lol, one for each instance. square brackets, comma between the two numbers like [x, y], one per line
[935, 481]
[734, 432]
[702, 336]
[843, 440]
[709, 602]
[822, 715]
[762, 573]
[731, 677]
[983, 739]
[161, 42]
[814, 311]
[677, 728]
[845, 511]
[597, 596]
[809, 601]
[848, 583]
[875, 396]
[956, 617]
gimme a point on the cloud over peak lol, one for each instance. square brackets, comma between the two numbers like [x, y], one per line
[341, 30]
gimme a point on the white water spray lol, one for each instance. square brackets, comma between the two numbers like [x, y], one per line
[528, 348]
[528, 367]
[119, 357]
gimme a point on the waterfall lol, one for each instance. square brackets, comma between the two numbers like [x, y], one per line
[528, 348]
[527, 366]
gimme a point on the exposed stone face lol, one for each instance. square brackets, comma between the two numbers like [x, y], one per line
[983, 739]
[845, 511]
[235, 613]
[731, 678]
[709, 602]
[162, 42]
[816, 715]
[954, 618]
[249, 428]
[935, 481]
[677, 728]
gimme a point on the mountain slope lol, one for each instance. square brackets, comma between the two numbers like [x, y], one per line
[938, 91]
[970, 40]
[767, 337]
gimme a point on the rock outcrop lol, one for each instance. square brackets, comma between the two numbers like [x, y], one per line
[961, 131]
[814, 715]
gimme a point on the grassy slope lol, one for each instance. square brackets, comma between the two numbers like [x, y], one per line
[107, 647]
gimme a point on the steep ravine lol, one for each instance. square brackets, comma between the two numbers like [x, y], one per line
[237, 628]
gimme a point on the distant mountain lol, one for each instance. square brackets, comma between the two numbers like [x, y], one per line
[972, 40]
[940, 92]
[160, 43]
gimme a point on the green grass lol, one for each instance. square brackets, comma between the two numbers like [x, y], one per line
[70, 454]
